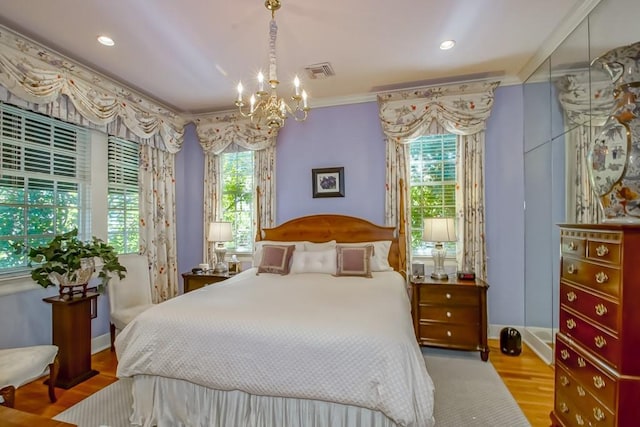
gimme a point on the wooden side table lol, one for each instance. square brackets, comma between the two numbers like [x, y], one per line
[195, 281]
[451, 313]
[71, 320]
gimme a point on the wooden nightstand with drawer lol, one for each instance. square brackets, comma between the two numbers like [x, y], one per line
[196, 281]
[451, 314]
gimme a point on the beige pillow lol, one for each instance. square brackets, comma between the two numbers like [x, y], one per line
[276, 259]
[354, 260]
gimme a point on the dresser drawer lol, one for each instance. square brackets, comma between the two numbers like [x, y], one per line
[608, 252]
[596, 308]
[577, 406]
[448, 295]
[594, 276]
[601, 343]
[585, 373]
[574, 246]
[449, 335]
[450, 314]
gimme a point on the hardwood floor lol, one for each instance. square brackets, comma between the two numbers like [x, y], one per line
[528, 378]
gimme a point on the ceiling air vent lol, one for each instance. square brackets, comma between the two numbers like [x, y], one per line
[320, 71]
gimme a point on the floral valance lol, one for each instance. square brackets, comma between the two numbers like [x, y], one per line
[218, 131]
[461, 109]
[586, 97]
[38, 75]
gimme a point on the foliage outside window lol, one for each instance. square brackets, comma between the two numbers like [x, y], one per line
[44, 183]
[237, 198]
[432, 186]
[123, 197]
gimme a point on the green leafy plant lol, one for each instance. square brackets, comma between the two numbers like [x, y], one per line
[64, 255]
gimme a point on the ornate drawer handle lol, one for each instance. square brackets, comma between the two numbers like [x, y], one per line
[579, 420]
[572, 269]
[601, 277]
[564, 408]
[571, 296]
[598, 382]
[564, 354]
[581, 391]
[600, 341]
[601, 309]
[448, 296]
[581, 362]
[602, 250]
[573, 246]
[448, 314]
[571, 324]
[564, 380]
[598, 414]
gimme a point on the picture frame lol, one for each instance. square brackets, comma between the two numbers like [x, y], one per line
[328, 182]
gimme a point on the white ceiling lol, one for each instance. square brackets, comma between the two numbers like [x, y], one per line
[190, 54]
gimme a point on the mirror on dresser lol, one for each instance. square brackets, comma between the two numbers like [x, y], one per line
[565, 104]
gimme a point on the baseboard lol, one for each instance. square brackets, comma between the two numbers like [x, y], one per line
[531, 336]
[100, 343]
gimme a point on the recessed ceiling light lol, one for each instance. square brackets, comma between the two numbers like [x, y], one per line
[105, 40]
[447, 44]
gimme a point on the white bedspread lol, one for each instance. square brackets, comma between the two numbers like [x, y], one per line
[314, 336]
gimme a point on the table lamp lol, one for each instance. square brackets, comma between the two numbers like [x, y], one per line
[220, 232]
[439, 230]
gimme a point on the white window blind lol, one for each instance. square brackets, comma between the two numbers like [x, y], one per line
[237, 198]
[44, 183]
[123, 229]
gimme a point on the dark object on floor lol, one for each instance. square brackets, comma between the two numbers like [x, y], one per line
[510, 341]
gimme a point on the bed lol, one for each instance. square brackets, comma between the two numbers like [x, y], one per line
[306, 348]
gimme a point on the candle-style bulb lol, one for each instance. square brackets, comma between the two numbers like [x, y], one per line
[296, 83]
[240, 91]
[304, 99]
[260, 81]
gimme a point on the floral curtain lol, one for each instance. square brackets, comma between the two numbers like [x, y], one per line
[461, 109]
[37, 75]
[225, 132]
[157, 220]
[587, 100]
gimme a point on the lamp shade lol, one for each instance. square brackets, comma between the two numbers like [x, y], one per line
[439, 230]
[220, 232]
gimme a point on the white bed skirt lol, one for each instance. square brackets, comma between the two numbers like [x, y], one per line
[166, 402]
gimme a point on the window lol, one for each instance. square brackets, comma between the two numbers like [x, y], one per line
[432, 186]
[44, 183]
[123, 227]
[237, 198]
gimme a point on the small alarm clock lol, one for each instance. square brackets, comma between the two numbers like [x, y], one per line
[466, 275]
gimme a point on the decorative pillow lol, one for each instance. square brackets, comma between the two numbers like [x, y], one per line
[314, 261]
[276, 259]
[380, 256]
[354, 260]
[310, 246]
[257, 249]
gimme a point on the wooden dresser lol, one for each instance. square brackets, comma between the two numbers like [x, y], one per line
[451, 314]
[597, 352]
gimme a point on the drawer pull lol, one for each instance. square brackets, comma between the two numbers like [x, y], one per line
[579, 420]
[598, 382]
[564, 354]
[573, 246]
[448, 296]
[572, 269]
[598, 414]
[571, 296]
[449, 333]
[601, 309]
[600, 341]
[581, 362]
[564, 380]
[564, 408]
[602, 250]
[571, 324]
[601, 277]
[581, 391]
[448, 314]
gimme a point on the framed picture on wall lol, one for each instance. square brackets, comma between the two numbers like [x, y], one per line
[328, 182]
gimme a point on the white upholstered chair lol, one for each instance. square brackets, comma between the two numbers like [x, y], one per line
[130, 296]
[22, 365]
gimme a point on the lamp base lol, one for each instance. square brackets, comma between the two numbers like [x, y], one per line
[439, 276]
[220, 266]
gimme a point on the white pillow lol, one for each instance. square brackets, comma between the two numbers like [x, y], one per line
[314, 261]
[380, 257]
[310, 246]
[257, 249]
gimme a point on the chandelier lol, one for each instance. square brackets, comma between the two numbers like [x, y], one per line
[265, 106]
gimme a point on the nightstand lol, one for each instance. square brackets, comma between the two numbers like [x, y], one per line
[451, 313]
[196, 281]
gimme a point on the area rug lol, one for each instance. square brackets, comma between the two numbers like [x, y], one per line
[469, 393]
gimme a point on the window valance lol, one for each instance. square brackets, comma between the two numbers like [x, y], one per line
[461, 109]
[218, 131]
[38, 75]
[586, 97]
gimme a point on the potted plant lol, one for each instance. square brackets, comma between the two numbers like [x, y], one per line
[67, 261]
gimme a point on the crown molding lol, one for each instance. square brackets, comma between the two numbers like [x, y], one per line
[558, 35]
